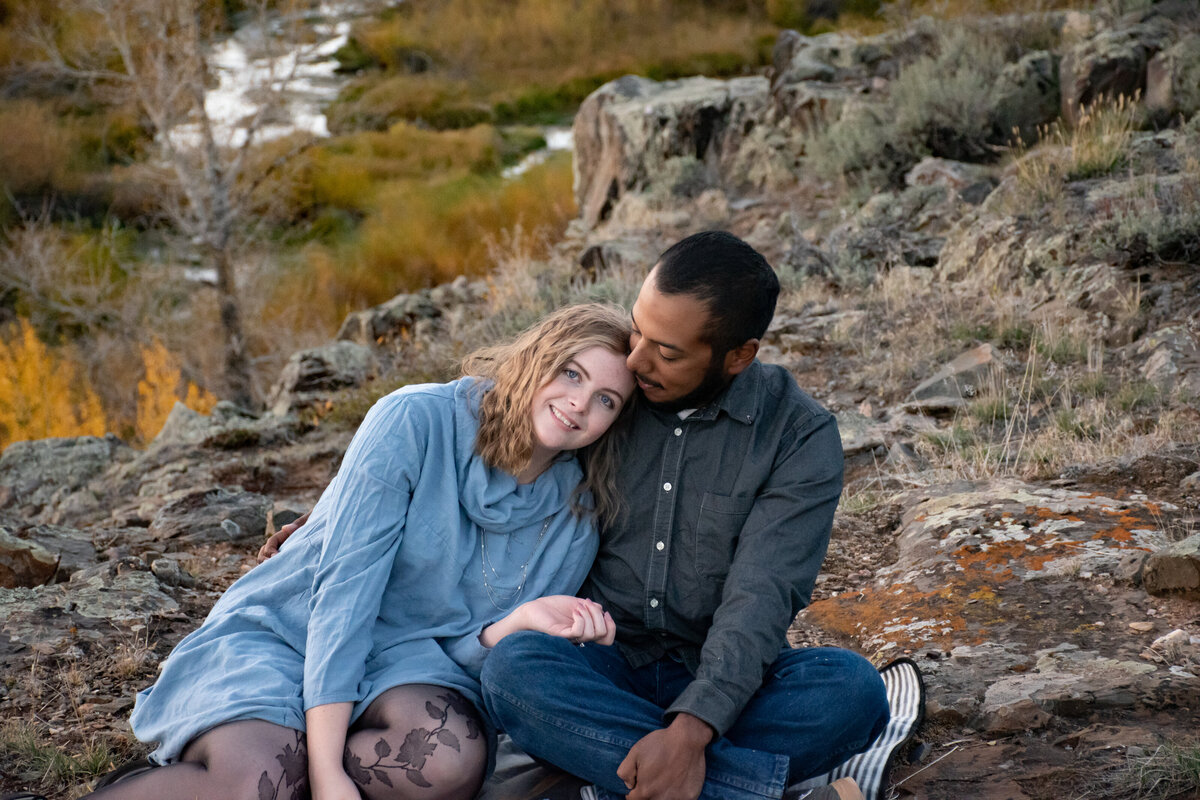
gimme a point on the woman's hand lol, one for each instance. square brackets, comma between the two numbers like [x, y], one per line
[575, 618]
[335, 787]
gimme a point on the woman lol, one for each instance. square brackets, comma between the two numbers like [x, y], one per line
[349, 662]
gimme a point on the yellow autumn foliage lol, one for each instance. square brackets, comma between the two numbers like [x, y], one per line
[42, 392]
[159, 390]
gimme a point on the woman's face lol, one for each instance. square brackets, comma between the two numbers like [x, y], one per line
[581, 401]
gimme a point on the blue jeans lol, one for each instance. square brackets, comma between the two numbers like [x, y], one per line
[582, 709]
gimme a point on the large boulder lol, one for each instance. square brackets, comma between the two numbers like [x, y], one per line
[1027, 94]
[628, 130]
[37, 475]
[312, 375]
[32, 554]
[53, 619]
[1006, 593]
[1173, 79]
[23, 562]
[1110, 64]
[213, 515]
[411, 316]
[1174, 569]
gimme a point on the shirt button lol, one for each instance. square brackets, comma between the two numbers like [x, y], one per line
[654, 602]
[679, 431]
[659, 545]
[667, 486]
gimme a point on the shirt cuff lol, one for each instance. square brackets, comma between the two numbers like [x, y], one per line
[330, 697]
[704, 700]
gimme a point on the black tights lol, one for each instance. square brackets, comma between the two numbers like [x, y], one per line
[415, 742]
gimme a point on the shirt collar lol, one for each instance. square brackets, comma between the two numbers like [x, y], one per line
[739, 399]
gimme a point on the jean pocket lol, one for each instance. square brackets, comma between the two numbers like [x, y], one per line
[717, 530]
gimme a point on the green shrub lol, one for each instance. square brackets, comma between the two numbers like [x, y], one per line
[941, 105]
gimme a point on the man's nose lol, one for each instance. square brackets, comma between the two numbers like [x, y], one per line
[636, 361]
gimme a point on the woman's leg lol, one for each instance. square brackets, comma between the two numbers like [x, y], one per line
[417, 742]
[247, 760]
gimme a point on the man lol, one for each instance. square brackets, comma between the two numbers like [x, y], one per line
[730, 476]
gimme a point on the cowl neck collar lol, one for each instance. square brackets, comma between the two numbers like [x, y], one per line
[492, 498]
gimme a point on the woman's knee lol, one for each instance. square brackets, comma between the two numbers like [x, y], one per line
[253, 759]
[430, 763]
[418, 741]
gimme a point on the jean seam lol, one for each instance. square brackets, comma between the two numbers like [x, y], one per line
[581, 730]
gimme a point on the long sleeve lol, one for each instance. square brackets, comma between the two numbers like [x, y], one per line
[367, 505]
[774, 569]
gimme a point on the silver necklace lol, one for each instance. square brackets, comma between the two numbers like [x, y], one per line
[485, 564]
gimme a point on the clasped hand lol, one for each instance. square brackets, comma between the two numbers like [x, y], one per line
[575, 618]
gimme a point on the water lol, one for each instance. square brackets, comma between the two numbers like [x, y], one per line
[299, 81]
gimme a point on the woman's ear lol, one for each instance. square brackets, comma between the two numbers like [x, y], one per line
[741, 357]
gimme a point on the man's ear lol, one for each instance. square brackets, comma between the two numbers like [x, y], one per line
[741, 357]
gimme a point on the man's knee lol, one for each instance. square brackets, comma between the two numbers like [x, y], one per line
[861, 695]
[508, 664]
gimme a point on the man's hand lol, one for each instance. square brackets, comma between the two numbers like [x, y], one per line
[276, 540]
[668, 764]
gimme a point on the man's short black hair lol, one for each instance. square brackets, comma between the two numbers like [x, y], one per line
[730, 277]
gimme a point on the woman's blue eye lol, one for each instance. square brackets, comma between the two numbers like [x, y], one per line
[570, 373]
[608, 401]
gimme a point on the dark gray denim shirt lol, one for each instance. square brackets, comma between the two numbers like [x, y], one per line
[727, 518]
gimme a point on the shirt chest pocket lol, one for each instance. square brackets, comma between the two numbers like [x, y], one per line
[717, 529]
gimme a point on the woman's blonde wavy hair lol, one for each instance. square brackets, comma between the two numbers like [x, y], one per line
[519, 368]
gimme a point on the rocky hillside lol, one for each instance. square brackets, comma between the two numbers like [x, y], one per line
[1006, 328]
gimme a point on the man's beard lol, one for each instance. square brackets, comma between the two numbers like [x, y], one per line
[715, 380]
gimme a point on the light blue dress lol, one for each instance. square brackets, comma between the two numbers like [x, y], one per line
[385, 583]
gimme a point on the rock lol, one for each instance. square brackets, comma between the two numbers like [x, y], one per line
[313, 374]
[1129, 568]
[187, 427]
[39, 473]
[628, 129]
[24, 563]
[408, 316]
[1169, 358]
[859, 433]
[1173, 79]
[1191, 483]
[617, 256]
[169, 572]
[963, 378]
[797, 58]
[1110, 64]
[87, 608]
[1141, 627]
[1006, 562]
[1174, 569]
[896, 230]
[215, 515]
[953, 175]
[1027, 95]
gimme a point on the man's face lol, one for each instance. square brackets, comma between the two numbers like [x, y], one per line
[672, 363]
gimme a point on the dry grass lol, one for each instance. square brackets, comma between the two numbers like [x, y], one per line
[1095, 146]
[420, 234]
[537, 57]
[1172, 771]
